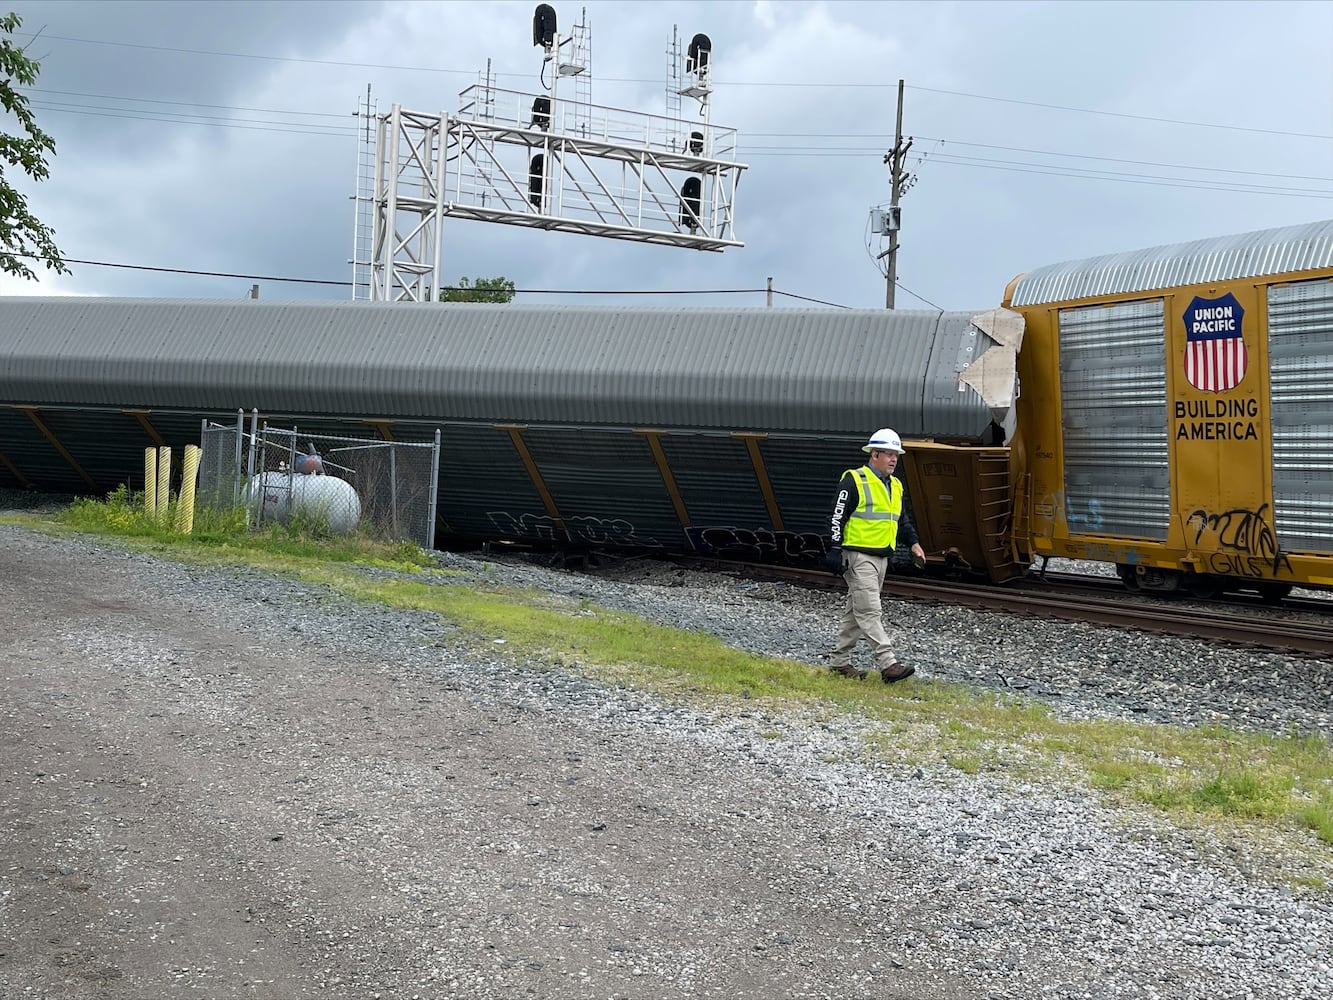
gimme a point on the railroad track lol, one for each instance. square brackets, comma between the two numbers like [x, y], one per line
[1104, 601]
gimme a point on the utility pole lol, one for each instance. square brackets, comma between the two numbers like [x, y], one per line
[897, 158]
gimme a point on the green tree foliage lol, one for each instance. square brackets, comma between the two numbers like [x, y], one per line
[22, 235]
[479, 290]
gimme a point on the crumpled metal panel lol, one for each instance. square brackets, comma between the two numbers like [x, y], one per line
[1266, 251]
[815, 371]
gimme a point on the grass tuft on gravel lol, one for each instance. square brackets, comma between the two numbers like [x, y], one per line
[123, 514]
[1250, 781]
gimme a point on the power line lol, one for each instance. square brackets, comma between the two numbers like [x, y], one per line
[265, 58]
[1063, 170]
[882, 139]
[879, 138]
[1123, 114]
[803, 84]
[185, 104]
[806, 298]
[206, 274]
[921, 297]
[250, 125]
[1117, 159]
[445, 288]
[1050, 170]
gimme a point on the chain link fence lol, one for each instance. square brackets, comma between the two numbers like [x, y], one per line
[385, 490]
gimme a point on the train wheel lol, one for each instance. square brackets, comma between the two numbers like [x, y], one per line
[1127, 575]
[1272, 593]
[1202, 586]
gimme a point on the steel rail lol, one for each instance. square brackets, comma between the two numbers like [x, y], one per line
[1126, 610]
[1306, 638]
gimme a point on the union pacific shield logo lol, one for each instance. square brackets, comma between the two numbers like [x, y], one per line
[1215, 358]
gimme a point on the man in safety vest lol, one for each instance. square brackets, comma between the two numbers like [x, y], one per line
[868, 517]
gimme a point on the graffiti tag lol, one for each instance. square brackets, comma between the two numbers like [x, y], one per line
[1250, 542]
[610, 532]
[758, 544]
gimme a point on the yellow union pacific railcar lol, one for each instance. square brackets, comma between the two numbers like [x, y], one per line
[1175, 413]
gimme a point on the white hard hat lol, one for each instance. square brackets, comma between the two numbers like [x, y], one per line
[884, 439]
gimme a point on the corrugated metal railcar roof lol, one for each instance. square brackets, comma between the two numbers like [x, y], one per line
[795, 370]
[1266, 251]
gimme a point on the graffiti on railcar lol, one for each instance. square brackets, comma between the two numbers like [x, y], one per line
[1247, 542]
[609, 531]
[1078, 516]
[758, 544]
[1086, 517]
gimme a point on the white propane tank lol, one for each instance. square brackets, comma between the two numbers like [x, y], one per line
[275, 495]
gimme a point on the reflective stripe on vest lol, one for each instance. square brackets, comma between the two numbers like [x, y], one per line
[874, 523]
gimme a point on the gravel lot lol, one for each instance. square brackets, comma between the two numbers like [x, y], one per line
[220, 783]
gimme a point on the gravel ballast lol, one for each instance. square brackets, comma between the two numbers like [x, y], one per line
[222, 783]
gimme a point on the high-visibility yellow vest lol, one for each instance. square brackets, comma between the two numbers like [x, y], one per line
[874, 523]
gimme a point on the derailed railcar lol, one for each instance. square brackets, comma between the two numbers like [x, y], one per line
[715, 431]
[1176, 412]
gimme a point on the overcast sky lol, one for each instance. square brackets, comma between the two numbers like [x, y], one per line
[220, 137]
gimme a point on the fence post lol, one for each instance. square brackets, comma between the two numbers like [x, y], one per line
[250, 467]
[254, 437]
[150, 481]
[434, 491]
[163, 484]
[393, 490]
[185, 502]
[236, 470]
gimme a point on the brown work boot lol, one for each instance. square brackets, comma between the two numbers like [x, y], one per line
[896, 672]
[847, 670]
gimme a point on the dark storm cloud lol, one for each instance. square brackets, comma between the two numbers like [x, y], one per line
[995, 92]
[103, 64]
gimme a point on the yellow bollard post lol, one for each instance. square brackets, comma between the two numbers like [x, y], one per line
[185, 502]
[150, 481]
[163, 484]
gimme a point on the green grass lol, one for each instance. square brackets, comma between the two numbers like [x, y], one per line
[1255, 785]
[303, 537]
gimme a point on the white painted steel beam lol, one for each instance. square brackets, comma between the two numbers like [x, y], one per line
[605, 172]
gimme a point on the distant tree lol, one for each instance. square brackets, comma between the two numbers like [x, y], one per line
[21, 234]
[480, 290]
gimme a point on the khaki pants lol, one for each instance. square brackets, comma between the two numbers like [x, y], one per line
[863, 618]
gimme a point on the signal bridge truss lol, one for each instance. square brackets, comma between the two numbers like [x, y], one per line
[529, 160]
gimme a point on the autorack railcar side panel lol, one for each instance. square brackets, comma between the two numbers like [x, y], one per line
[558, 423]
[717, 484]
[1300, 356]
[29, 461]
[804, 474]
[607, 488]
[1113, 420]
[764, 370]
[1249, 454]
[1219, 428]
[102, 449]
[485, 490]
[57, 449]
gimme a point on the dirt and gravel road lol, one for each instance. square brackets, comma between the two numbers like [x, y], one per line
[219, 784]
[189, 811]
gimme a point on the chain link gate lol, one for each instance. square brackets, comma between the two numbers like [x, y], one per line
[386, 490]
